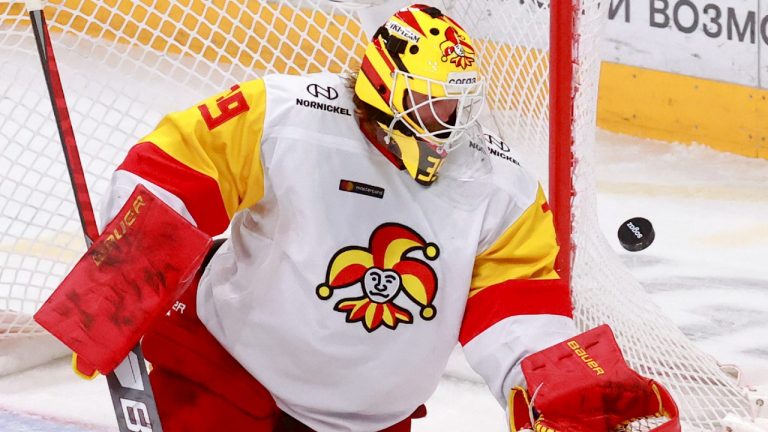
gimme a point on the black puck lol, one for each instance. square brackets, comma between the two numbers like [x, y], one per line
[636, 234]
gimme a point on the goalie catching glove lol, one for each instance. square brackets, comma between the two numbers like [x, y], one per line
[132, 274]
[584, 385]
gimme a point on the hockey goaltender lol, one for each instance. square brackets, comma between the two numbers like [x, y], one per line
[369, 231]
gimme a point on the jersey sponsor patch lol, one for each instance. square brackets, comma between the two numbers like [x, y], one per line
[395, 262]
[499, 148]
[335, 109]
[361, 188]
[318, 91]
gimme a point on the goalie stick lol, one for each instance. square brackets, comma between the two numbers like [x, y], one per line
[129, 385]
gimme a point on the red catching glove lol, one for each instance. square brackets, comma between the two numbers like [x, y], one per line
[145, 258]
[584, 385]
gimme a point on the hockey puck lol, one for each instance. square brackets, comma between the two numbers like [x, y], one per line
[636, 234]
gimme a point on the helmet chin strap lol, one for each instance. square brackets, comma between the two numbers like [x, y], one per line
[388, 136]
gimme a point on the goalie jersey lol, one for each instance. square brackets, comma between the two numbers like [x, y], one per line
[344, 285]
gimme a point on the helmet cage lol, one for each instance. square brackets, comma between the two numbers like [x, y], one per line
[469, 100]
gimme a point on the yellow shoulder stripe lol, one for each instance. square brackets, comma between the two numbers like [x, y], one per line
[526, 250]
[221, 138]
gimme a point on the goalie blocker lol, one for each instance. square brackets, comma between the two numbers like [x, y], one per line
[132, 274]
[584, 385]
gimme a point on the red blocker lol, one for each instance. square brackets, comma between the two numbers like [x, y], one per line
[584, 385]
[132, 274]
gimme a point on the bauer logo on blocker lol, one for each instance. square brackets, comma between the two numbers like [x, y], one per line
[326, 92]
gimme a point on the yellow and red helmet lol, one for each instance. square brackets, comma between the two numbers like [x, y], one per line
[419, 65]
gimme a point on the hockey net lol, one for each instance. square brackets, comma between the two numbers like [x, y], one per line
[126, 63]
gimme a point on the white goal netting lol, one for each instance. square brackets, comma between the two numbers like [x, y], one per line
[126, 63]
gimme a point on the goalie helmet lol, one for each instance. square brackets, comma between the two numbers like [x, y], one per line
[419, 74]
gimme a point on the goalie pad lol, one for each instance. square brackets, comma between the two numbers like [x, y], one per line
[584, 385]
[132, 274]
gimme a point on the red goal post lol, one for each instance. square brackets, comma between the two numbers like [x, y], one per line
[118, 58]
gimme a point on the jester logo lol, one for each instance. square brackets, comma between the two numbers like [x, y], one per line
[383, 270]
[456, 49]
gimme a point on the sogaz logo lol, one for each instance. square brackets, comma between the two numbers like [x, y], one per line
[460, 82]
[462, 78]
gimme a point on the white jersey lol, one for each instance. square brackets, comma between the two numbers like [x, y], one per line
[344, 284]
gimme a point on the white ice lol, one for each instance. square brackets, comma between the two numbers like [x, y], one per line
[707, 270]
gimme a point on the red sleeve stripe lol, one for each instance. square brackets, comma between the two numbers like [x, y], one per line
[373, 76]
[199, 192]
[514, 298]
[384, 54]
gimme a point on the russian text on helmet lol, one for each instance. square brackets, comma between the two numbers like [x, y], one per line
[402, 31]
